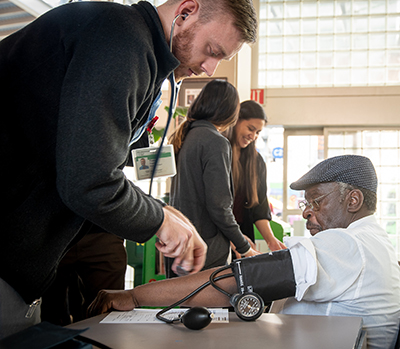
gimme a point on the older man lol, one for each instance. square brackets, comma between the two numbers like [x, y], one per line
[347, 268]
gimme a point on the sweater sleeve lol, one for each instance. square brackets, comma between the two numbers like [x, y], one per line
[219, 193]
[103, 92]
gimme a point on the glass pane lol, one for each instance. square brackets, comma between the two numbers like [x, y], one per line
[274, 78]
[275, 61]
[275, 28]
[304, 152]
[291, 27]
[393, 40]
[308, 43]
[335, 140]
[371, 139]
[275, 10]
[376, 75]
[325, 26]
[389, 191]
[262, 79]
[393, 6]
[292, 10]
[359, 59]
[342, 25]
[308, 60]
[262, 62]
[342, 42]
[390, 139]
[377, 41]
[359, 76]
[360, 24]
[325, 42]
[308, 26]
[275, 45]
[378, 6]
[342, 59]
[360, 41]
[309, 9]
[388, 155]
[352, 139]
[389, 175]
[325, 8]
[393, 57]
[325, 76]
[342, 76]
[393, 22]
[292, 44]
[360, 7]
[291, 77]
[291, 61]
[393, 75]
[325, 59]
[342, 8]
[377, 24]
[308, 77]
[377, 58]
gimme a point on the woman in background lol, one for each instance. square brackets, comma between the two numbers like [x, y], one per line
[250, 175]
[202, 188]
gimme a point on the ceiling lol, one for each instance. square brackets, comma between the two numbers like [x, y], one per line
[16, 14]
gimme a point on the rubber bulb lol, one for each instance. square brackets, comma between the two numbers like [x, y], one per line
[197, 318]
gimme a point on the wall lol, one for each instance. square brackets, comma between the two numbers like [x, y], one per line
[340, 106]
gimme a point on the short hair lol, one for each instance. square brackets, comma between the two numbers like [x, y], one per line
[370, 198]
[243, 12]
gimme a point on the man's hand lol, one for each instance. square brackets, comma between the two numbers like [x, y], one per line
[179, 239]
[108, 300]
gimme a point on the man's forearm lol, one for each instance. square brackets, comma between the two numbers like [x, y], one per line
[167, 292]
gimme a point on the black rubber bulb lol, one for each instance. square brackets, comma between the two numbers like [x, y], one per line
[196, 318]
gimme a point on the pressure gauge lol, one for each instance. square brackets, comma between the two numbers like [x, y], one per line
[248, 306]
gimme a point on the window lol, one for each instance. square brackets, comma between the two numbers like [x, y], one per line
[329, 43]
[382, 146]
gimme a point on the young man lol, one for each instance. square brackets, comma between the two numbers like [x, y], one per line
[76, 87]
[347, 268]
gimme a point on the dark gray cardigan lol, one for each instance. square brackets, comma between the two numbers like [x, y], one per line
[74, 86]
[202, 189]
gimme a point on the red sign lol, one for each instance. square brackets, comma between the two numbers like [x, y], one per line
[257, 94]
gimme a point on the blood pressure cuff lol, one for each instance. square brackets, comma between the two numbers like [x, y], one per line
[270, 275]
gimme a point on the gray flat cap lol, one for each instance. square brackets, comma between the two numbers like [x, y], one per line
[351, 169]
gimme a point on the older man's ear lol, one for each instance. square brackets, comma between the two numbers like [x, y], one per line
[356, 201]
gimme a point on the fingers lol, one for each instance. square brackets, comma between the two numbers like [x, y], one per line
[108, 300]
[174, 234]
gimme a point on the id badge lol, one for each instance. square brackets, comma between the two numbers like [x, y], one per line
[144, 159]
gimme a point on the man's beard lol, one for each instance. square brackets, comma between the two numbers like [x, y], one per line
[182, 46]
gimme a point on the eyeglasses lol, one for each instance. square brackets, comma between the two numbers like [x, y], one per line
[314, 204]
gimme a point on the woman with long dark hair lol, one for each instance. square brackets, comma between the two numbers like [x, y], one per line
[250, 174]
[203, 188]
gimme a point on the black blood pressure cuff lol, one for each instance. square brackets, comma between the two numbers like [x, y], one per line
[270, 275]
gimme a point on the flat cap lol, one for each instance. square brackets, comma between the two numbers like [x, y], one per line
[351, 169]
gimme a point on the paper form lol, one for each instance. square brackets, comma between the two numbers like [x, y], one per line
[148, 316]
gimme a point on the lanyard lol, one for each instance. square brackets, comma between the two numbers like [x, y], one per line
[172, 105]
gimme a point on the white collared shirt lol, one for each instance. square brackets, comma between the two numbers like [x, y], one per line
[349, 272]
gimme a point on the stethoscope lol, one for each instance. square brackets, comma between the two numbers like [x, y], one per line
[172, 102]
[248, 306]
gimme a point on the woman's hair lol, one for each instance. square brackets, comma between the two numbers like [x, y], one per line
[244, 171]
[218, 103]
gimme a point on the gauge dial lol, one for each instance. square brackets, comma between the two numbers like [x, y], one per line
[249, 306]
